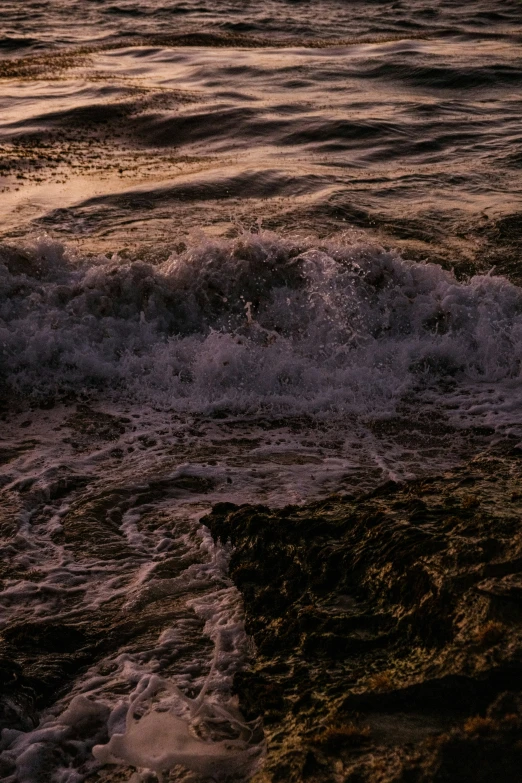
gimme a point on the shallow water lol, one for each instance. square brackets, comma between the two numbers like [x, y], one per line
[250, 254]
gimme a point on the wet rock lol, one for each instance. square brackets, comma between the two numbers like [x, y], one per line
[36, 660]
[388, 629]
[89, 425]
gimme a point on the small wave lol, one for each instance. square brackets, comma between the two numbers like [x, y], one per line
[120, 10]
[448, 77]
[10, 43]
[272, 23]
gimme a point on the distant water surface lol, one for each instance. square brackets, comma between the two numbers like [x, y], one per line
[60, 22]
[398, 119]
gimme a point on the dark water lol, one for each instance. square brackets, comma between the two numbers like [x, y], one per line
[251, 253]
[44, 25]
[403, 123]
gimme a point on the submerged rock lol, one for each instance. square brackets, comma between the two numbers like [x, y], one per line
[388, 629]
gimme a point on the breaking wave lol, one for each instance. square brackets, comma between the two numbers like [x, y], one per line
[259, 323]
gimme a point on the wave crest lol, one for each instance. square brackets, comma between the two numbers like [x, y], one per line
[260, 322]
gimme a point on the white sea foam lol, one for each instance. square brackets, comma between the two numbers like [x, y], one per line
[155, 725]
[263, 324]
[160, 739]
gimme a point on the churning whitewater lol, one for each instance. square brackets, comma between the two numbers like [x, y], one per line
[262, 325]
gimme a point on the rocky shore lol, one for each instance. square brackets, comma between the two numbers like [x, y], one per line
[388, 629]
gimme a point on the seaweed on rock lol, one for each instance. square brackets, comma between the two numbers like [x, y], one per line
[388, 629]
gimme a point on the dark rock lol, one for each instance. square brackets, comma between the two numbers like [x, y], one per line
[388, 629]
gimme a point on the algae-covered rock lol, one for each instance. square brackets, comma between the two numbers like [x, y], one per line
[388, 629]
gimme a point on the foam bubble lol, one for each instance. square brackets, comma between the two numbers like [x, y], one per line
[160, 740]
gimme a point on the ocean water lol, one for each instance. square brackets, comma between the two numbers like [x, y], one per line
[250, 252]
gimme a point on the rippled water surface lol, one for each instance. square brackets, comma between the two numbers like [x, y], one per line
[59, 23]
[400, 121]
[251, 252]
